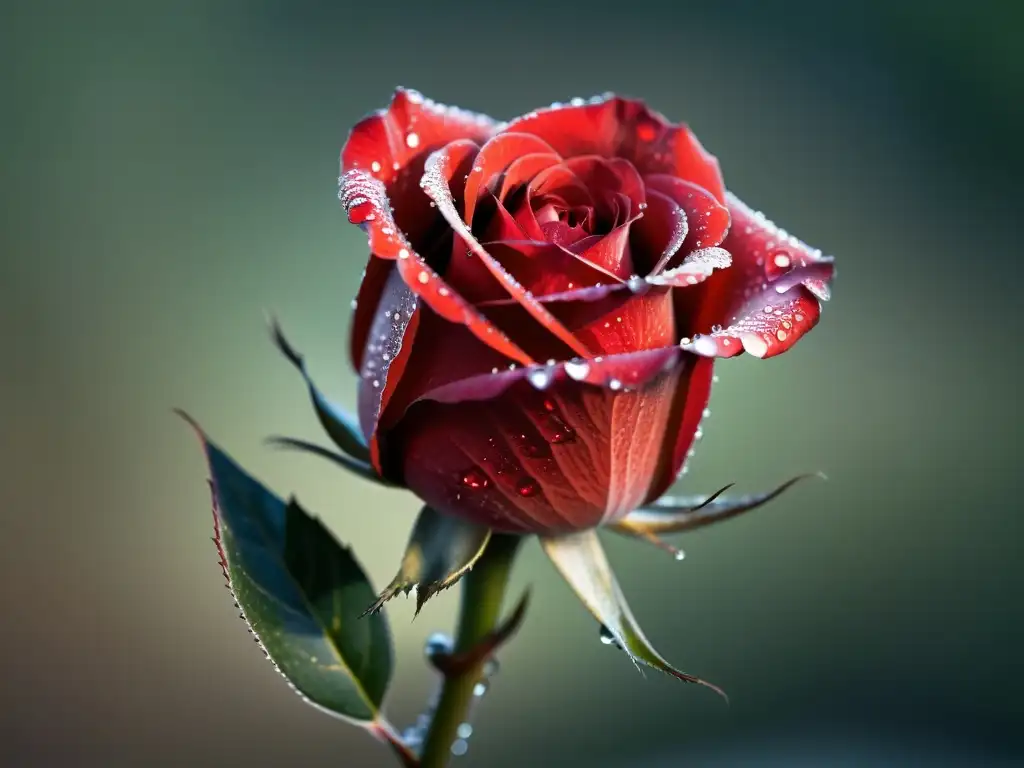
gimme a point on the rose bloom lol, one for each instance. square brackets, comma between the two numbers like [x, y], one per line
[544, 302]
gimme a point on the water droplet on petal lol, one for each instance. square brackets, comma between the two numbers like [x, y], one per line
[527, 487]
[412, 140]
[539, 377]
[475, 479]
[577, 370]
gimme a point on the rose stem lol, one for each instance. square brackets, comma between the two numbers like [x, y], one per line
[483, 590]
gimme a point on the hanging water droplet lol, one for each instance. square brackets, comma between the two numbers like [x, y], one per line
[480, 688]
[438, 644]
[412, 140]
[527, 487]
[474, 478]
[491, 668]
[464, 731]
[460, 747]
[608, 637]
[680, 555]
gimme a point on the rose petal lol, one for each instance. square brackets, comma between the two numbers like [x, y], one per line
[389, 345]
[708, 221]
[688, 410]
[366, 202]
[765, 325]
[611, 252]
[540, 450]
[383, 143]
[659, 234]
[495, 156]
[611, 126]
[522, 170]
[766, 301]
[643, 322]
[435, 184]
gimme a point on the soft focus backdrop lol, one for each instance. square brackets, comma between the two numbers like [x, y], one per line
[169, 173]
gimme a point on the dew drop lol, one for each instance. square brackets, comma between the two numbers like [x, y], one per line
[460, 747]
[464, 731]
[527, 487]
[474, 479]
[782, 260]
[539, 377]
[680, 555]
[577, 370]
[608, 637]
[614, 384]
[412, 140]
[423, 277]
[781, 334]
[480, 688]
[438, 644]
[375, 166]
[549, 406]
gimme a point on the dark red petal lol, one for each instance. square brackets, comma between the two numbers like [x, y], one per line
[659, 234]
[688, 409]
[708, 221]
[365, 305]
[366, 202]
[524, 169]
[643, 322]
[545, 268]
[767, 300]
[604, 176]
[436, 185]
[495, 156]
[761, 328]
[611, 252]
[612, 126]
[383, 143]
[389, 343]
[541, 450]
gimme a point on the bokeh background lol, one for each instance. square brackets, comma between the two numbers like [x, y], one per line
[169, 173]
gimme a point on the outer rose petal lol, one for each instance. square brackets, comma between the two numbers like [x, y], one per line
[766, 301]
[708, 221]
[688, 409]
[612, 126]
[366, 202]
[386, 141]
[542, 450]
[387, 351]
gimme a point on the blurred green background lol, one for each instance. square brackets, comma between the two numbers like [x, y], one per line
[169, 172]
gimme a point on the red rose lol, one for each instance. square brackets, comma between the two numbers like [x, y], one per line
[544, 300]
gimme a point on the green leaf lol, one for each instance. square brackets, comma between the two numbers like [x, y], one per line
[581, 560]
[300, 592]
[672, 514]
[440, 550]
[342, 427]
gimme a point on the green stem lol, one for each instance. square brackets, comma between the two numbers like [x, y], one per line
[482, 593]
